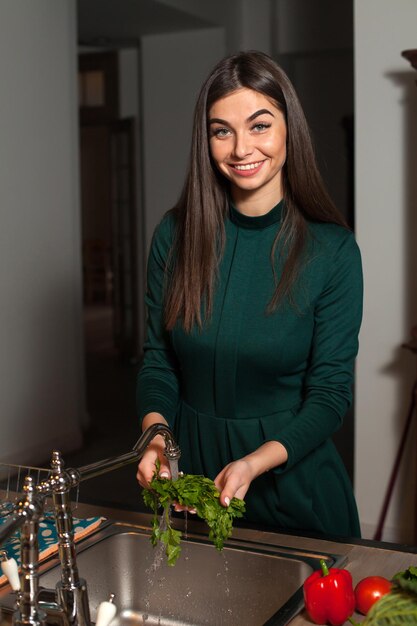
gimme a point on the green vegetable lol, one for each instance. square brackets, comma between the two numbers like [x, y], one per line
[407, 580]
[196, 492]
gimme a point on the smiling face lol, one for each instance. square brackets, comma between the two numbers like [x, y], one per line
[248, 137]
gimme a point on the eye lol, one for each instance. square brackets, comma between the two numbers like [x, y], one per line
[259, 127]
[220, 132]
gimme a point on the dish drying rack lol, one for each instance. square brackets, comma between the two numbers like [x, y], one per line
[12, 480]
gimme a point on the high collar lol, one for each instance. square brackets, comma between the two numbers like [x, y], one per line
[259, 221]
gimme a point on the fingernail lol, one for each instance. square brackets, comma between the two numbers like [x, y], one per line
[227, 501]
[164, 475]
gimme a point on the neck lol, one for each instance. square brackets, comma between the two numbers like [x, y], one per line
[257, 204]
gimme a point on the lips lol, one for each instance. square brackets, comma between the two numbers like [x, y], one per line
[246, 169]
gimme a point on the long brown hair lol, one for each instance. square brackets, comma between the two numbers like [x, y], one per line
[203, 204]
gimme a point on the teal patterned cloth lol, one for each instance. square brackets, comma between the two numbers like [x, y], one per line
[47, 536]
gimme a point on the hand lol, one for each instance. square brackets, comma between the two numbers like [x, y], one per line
[234, 480]
[146, 467]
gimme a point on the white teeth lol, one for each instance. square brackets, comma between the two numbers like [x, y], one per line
[250, 166]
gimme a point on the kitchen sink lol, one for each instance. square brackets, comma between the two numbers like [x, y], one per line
[249, 583]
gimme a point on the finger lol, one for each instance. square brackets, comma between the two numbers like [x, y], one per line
[141, 480]
[146, 470]
[221, 478]
[228, 493]
[227, 484]
[233, 487]
[179, 508]
[226, 497]
[164, 471]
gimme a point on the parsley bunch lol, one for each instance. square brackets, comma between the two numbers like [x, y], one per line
[196, 492]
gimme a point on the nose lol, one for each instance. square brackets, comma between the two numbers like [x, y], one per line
[243, 145]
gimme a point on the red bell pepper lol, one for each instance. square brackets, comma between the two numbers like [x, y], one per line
[329, 596]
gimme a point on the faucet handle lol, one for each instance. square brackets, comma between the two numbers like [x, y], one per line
[106, 612]
[10, 570]
[172, 449]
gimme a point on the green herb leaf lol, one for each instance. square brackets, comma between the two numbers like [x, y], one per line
[396, 608]
[407, 579]
[193, 491]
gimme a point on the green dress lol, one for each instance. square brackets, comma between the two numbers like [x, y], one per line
[249, 377]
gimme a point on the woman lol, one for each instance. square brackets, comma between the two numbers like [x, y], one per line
[254, 300]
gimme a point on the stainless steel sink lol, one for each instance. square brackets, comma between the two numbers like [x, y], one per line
[249, 583]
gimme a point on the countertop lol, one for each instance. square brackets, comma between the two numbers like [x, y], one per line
[364, 558]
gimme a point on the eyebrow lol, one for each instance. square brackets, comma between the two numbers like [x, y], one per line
[217, 120]
[258, 113]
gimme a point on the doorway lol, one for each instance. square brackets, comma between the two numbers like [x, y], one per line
[108, 175]
[112, 233]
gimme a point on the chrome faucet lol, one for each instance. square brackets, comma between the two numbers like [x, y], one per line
[69, 603]
[172, 453]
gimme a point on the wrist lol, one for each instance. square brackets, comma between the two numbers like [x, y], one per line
[152, 418]
[271, 454]
[158, 441]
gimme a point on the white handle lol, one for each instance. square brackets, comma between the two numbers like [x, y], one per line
[106, 612]
[11, 571]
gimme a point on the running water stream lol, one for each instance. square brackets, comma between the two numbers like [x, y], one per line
[160, 550]
[155, 566]
[159, 560]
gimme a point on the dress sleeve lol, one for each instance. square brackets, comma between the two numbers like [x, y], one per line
[328, 385]
[158, 386]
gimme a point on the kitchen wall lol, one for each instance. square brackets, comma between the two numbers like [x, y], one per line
[248, 25]
[314, 43]
[386, 227]
[41, 366]
[170, 83]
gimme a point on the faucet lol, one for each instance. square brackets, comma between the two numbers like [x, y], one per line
[172, 453]
[69, 603]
